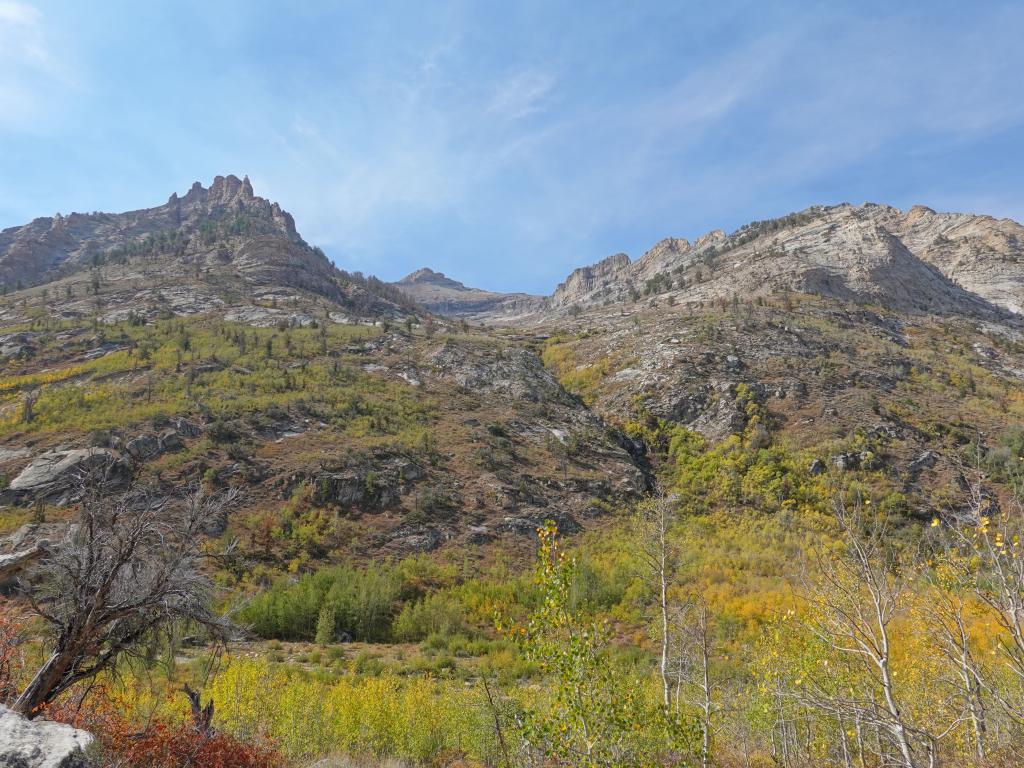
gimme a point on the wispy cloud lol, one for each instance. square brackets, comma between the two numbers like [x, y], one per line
[30, 70]
[522, 94]
[508, 144]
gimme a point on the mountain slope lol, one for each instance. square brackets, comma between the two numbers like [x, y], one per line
[211, 318]
[205, 341]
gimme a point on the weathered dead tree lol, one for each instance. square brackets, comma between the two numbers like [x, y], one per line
[855, 597]
[654, 521]
[129, 569]
[202, 717]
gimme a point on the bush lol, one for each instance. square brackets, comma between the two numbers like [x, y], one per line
[428, 722]
[325, 625]
[439, 613]
[362, 602]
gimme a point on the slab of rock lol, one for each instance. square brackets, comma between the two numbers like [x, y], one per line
[9, 454]
[186, 428]
[58, 471]
[170, 441]
[14, 563]
[40, 743]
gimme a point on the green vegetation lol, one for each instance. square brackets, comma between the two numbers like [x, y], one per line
[718, 643]
[224, 372]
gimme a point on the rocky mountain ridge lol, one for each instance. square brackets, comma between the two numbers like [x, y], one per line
[917, 261]
[52, 246]
[220, 248]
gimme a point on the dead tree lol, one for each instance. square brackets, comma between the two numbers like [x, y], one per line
[986, 557]
[684, 624]
[28, 406]
[692, 664]
[947, 612]
[202, 717]
[129, 569]
[854, 600]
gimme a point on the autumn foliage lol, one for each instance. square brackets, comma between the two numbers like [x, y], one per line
[164, 744]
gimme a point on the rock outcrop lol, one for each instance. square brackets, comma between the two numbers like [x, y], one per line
[57, 473]
[40, 743]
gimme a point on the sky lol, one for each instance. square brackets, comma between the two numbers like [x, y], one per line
[506, 143]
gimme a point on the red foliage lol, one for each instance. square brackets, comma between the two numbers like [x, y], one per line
[170, 745]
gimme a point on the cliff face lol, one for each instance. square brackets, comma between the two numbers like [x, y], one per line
[979, 253]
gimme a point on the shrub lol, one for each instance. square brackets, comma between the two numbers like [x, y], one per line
[439, 613]
[325, 625]
[164, 742]
[362, 602]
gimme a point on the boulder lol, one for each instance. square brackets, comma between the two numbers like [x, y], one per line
[926, 460]
[417, 539]
[733, 363]
[57, 472]
[11, 565]
[144, 447]
[479, 534]
[863, 460]
[40, 743]
[186, 428]
[846, 461]
[170, 441]
[817, 467]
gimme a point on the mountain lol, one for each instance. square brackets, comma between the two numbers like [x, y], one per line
[393, 467]
[204, 339]
[445, 296]
[917, 262]
[221, 248]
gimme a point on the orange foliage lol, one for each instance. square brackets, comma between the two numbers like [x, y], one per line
[162, 744]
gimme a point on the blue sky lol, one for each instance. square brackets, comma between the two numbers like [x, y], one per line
[506, 143]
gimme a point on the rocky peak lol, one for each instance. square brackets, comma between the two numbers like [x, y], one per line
[598, 279]
[229, 208]
[607, 267]
[715, 237]
[427, 276]
[227, 192]
[664, 255]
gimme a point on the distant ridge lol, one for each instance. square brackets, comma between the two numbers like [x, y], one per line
[439, 293]
[917, 261]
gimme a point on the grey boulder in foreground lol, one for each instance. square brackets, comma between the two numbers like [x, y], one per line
[40, 743]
